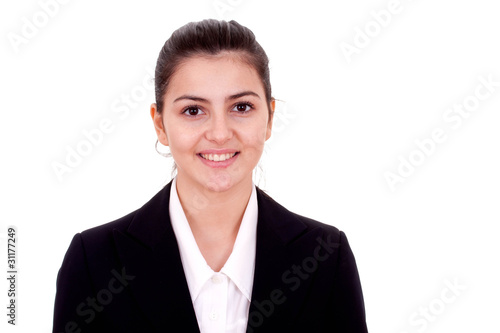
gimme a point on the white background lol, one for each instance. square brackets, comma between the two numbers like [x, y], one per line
[344, 125]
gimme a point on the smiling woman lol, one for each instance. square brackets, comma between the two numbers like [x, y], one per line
[211, 252]
[214, 105]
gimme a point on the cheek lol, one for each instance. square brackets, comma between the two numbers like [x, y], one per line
[181, 140]
[256, 136]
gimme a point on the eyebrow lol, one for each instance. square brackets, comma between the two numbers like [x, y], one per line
[229, 98]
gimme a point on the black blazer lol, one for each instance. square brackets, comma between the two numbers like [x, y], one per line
[127, 276]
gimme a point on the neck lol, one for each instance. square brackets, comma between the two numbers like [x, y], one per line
[214, 217]
[200, 201]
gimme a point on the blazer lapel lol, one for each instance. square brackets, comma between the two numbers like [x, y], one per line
[282, 240]
[149, 251]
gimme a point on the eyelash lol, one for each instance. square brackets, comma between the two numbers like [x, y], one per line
[196, 106]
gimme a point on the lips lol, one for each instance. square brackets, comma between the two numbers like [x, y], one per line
[218, 157]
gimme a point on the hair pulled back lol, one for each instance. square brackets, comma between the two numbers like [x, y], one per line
[209, 37]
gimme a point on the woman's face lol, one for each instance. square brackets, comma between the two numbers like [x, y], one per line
[215, 121]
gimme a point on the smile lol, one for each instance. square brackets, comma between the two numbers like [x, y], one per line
[218, 157]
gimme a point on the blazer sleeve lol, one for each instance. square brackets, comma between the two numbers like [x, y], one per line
[347, 296]
[74, 290]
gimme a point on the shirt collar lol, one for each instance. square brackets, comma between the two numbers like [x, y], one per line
[241, 263]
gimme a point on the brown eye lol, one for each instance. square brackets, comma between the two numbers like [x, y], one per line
[243, 107]
[193, 111]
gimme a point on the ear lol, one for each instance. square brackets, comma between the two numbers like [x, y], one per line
[158, 123]
[270, 120]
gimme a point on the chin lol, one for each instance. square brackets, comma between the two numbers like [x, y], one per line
[220, 182]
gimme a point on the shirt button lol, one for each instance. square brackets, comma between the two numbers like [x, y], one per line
[217, 279]
[213, 315]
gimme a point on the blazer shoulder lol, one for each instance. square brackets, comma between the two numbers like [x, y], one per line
[276, 212]
[97, 233]
[95, 246]
[148, 216]
[313, 224]
[327, 232]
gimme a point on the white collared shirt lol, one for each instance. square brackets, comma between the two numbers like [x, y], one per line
[221, 300]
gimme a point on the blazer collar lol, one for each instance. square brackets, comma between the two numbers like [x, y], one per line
[152, 220]
[149, 251]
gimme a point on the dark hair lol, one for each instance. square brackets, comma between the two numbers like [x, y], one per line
[209, 37]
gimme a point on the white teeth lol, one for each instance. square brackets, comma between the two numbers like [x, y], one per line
[217, 157]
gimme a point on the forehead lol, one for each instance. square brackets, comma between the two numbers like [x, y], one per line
[219, 75]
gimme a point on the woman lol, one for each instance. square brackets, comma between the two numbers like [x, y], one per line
[211, 252]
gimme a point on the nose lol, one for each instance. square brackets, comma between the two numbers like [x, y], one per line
[219, 128]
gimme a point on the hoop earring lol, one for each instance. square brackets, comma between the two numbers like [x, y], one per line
[159, 152]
